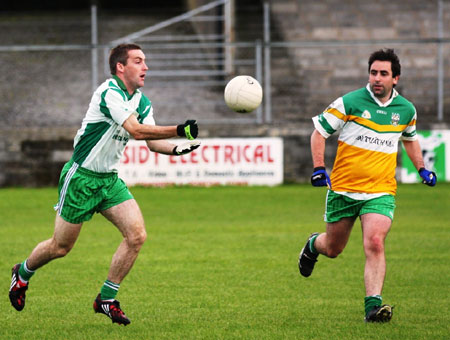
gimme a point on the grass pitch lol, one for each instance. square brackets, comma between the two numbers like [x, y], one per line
[221, 263]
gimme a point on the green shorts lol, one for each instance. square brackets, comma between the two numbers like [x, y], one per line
[340, 206]
[83, 192]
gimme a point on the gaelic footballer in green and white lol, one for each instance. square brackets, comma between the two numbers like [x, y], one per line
[243, 94]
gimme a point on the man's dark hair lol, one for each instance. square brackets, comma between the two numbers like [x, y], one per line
[387, 55]
[119, 54]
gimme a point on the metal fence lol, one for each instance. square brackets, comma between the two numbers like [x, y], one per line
[50, 84]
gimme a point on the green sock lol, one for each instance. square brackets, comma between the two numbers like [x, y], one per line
[109, 290]
[372, 301]
[25, 273]
[311, 244]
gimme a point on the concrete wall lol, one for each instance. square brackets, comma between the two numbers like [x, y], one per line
[35, 156]
[44, 99]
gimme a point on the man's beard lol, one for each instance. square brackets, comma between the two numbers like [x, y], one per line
[379, 94]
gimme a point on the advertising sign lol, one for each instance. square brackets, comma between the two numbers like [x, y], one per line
[436, 155]
[237, 161]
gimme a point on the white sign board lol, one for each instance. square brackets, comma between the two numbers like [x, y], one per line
[237, 161]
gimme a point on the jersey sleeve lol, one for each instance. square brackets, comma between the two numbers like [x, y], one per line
[332, 119]
[114, 106]
[410, 134]
[145, 111]
[149, 120]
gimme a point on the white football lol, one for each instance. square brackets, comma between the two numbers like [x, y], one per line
[243, 94]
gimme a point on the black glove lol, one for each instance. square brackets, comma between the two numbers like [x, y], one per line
[188, 129]
[185, 148]
[428, 177]
[320, 177]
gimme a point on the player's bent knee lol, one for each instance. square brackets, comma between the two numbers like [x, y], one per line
[142, 237]
[333, 255]
[334, 252]
[374, 245]
[374, 248]
[137, 239]
[61, 250]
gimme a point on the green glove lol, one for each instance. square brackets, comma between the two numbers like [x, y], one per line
[188, 129]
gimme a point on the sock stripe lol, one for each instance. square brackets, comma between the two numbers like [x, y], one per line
[311, 244]
[25, 273]
[25, 268]
[112, 285]
[109, 290]
[372, 301]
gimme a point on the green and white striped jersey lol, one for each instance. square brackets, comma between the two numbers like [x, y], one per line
[101, 140]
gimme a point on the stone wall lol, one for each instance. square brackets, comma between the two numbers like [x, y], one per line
[325, 70]
[44, 98]
[35, 156]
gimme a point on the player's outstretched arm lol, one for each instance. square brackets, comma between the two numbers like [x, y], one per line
[155, 132]
[167, 148]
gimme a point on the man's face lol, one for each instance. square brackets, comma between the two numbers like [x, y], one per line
[135, 69]
[381, 80]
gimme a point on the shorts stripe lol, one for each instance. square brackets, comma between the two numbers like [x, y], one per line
[326, 204]
[69, 176]
[82, 193]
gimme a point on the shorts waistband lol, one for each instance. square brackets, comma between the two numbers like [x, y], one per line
[91, 173]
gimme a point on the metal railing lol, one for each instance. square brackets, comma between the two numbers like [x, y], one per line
[198, 60]
[184, 42]
[199, 65]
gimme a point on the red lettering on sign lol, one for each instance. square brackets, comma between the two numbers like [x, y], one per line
[269, 158]
[244, 153]
[144, 154]
[204, 148]
[228, 154]
[194, 159]
[258, 154]
[125, 159]
[138, 154]
[216, 153]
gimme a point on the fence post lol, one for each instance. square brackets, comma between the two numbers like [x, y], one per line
[229, 21]
[440, 70]
[258, 72]
[94, 43]
[267, 70]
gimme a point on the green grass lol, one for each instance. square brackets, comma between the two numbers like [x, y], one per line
[221, 263]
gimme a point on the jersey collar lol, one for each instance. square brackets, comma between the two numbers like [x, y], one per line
[393, 95]
[123, 87]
